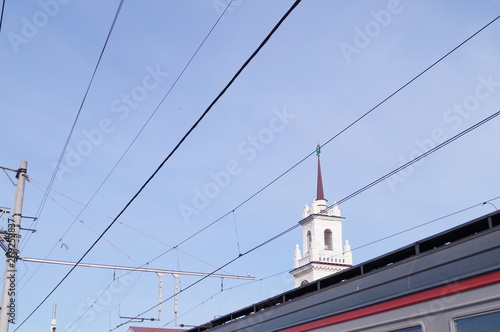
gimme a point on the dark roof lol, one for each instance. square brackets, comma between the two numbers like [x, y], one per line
[152, 329]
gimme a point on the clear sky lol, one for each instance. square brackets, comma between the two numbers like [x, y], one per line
[329, 63]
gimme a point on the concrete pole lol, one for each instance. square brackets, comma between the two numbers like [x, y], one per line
[53, 321]
[8, 303]
[160, 293]
[176, 296]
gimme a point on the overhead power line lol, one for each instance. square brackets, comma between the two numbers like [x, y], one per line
[70, 134]
[352, 249]
[85, 206]
[331, 139]
[139, 133]
[186, 135]
[211, 105]
[1, 15]
[33, 181]
[298, 224]
[423, 155]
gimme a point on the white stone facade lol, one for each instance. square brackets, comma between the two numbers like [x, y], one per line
[324, 252]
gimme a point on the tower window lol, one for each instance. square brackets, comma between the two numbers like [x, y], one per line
[328, 240]
[309, 240]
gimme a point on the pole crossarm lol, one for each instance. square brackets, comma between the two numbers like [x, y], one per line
[138, 269]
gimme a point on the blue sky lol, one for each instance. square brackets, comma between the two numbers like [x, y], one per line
[329, 63]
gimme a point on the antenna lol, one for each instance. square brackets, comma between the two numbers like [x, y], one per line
[53, 321]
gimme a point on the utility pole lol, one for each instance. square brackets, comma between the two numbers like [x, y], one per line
[53, 321]
[8, 303]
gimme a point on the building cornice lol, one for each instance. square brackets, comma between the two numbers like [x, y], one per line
[315, 265]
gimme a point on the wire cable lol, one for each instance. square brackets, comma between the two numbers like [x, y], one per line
[60, 240]
[298, 224]
[300, 161]
[32, 181]
[342, 131]
[423, 155]
[330, 140]
[1, 15]
[86, 206]
[90, 228]
[353, 249]
[70, 134]
[138, 134]
[186, 135]
[194, 126]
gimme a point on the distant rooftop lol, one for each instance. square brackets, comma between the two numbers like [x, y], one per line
[152, 329]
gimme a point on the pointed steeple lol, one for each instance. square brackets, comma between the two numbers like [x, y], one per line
[322, 250]
[320, 194]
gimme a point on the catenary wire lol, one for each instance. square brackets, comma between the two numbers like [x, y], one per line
[1, 15]
[115, 279]
[32, 181]
[438, 147]
[330, 140]
[353, 249]
[299, 162]
[452, 139]
[186, 135]
[73, 126]
[89, 227]
[139, 133]
[79, 219]
[423, 155]
[133, 141]
[497, 17]
[353, 123]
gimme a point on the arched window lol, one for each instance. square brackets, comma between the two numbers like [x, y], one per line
[309, 240]
[328, 240]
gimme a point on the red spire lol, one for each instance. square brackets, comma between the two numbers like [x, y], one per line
[320, 195]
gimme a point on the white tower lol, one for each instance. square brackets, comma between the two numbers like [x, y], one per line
[324, 252]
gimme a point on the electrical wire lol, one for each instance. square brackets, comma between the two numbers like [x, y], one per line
[91, 305]
[353, 249]
[70, 134]
[423, 155]
[300, 161]
[438, 147]
[345, 129]
[139, 133]
[170, 246]
[90, 227]
[60, 240]
[330, 140]
[186, 135]
[33, 181]
[1, 15]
